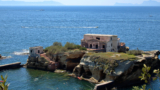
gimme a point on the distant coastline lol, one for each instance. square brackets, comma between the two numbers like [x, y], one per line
[145, 3]
[55, 3]
[22, 3]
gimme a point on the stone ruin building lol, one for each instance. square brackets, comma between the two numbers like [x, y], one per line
[35, 51]
[101, 42]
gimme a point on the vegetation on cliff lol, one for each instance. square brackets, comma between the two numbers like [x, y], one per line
[58, 48]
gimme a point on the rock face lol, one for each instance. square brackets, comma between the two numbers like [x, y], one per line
[126, 73]
[69, 60]
[42, 63]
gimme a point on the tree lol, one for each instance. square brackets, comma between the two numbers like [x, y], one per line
[57, 44]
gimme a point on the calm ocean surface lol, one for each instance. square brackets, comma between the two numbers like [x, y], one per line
[24, 27]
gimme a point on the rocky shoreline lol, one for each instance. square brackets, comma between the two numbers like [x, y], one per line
[125, 74]
[119, 73]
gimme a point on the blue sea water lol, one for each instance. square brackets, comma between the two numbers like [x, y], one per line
[24, 27]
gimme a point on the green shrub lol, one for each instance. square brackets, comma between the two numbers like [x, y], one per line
[58, 48]
[70, 45]
[82, 48]
[57, 44]
[77, 46]
[46, 49]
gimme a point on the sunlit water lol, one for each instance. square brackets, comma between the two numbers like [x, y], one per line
[24, 27]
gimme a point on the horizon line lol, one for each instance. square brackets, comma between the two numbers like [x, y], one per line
[83, 5]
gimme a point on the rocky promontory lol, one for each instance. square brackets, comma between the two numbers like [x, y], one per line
[120, 69]
[66, 60]
[106, 69]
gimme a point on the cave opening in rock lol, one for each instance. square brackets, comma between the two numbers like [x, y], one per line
[87, 74]
[82, 71]
[63, 66]
[102, 76]
[56, 58]
[72, 63]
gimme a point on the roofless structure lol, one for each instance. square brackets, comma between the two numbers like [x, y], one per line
[108, 43]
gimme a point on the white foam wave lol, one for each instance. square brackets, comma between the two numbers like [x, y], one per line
[23, 52]
[59, 27]
[36, 79]
[75, 27]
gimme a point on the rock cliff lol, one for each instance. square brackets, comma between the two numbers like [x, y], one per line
[66, 60]
[120, 70]
[69, 60]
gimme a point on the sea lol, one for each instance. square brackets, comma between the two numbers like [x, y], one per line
[22, 27]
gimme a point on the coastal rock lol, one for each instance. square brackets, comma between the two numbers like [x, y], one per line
[4, 57]
[37, 62]
[69, 60]
[125, 73]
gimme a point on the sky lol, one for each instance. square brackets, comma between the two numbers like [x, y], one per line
[92, 2]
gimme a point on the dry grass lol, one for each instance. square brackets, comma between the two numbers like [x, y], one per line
[113, 56]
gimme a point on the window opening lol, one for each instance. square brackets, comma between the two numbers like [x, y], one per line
[103, 46]
[97, 38]
[90, 45]
[96, 46]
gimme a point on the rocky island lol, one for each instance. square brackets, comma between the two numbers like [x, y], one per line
[2, 57]
[100, 59]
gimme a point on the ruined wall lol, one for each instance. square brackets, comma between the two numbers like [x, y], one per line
[35, 51]
[102, 37]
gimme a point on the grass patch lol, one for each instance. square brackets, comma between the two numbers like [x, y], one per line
[113, 56]
[135, 52]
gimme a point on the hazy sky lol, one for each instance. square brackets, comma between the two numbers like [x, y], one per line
[89, 2]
